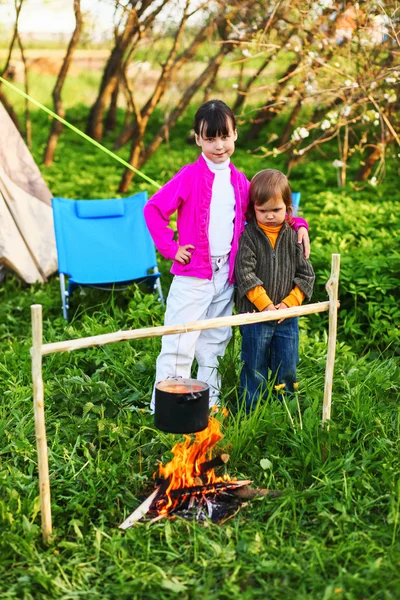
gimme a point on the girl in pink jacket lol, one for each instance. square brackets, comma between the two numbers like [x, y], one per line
[211, 198]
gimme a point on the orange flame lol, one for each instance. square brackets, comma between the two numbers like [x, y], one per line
[185, 467]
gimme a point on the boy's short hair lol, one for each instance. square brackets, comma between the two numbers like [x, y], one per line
[266, 185]
[213, 118]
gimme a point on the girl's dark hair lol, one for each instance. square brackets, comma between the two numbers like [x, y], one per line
[268, 184]
[213, 118]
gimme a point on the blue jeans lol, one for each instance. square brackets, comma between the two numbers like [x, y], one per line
[268, 347]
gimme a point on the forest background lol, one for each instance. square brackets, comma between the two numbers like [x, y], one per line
[315, 89]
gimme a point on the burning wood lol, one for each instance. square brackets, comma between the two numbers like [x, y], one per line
[218, 461]
[209, 489]
[189, 487]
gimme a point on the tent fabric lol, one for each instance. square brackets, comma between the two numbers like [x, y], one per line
[27, 241]
[18, 162]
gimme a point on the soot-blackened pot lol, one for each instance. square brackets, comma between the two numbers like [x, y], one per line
[181, 405]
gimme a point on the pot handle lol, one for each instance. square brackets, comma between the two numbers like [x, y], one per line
[186, 399]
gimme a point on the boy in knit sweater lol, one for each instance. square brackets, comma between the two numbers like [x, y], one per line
[272, 274]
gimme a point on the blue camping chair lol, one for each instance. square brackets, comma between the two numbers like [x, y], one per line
[103, 242]
[295, 202]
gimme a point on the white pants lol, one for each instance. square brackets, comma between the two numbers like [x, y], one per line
[194, 299]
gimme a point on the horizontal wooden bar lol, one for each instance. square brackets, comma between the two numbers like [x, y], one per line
[146, 332]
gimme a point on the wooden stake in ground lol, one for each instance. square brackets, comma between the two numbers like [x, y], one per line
[40, 428]
[332, 288]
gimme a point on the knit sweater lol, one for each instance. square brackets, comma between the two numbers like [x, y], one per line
[277, 269]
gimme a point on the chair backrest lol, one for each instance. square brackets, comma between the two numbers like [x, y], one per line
[103, 241]
[295, 202]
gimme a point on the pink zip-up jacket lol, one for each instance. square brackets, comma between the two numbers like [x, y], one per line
[189, 192]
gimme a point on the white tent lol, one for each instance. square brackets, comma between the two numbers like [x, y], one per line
[27, 242]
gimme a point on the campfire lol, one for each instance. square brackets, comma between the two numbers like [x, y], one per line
[188, 486]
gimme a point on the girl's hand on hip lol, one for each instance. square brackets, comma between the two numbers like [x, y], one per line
[184, 255]
[303, 238]
[280, 306]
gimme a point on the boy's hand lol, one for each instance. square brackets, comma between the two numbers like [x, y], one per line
[269, 307]
[279, 307]
[184, 255]
[303, 238]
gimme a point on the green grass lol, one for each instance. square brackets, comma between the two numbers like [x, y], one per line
[334, 532]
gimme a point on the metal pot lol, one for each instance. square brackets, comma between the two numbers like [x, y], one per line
[181, 405]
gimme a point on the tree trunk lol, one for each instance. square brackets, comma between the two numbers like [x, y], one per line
[137, 157]
[111, 119]
[56, 126]
[243, 92]
[28, 124]
[3, 97]
[129, 131]
[374, 155]
[134, 30]
[268, 112]
[110, 76]
[18, 7]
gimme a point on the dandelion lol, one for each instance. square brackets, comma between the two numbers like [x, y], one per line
[279, 387]
[325, 125]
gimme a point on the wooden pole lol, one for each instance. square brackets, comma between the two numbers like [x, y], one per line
[40, 427]
[145, 332]
[332, 288]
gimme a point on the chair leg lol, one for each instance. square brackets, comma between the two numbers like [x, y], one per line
[159, 290]
[158, 286]
[64, 297]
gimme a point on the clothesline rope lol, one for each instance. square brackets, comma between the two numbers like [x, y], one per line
[79, 132]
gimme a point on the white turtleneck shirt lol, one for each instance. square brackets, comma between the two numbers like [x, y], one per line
[222, 209]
